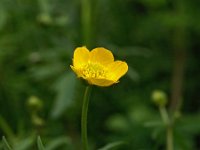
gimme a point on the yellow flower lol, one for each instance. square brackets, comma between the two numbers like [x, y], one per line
[98, 66]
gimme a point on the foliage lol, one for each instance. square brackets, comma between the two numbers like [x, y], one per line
[37, 39]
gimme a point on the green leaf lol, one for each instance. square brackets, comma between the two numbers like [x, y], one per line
[65, 88]
[6, 145]
[154, 123]
[112, 145]
[118, 123]
[3, 17]
[58, 142]
[25, 144]
[44, 6]
[1, 145]
[39, 144]
[133, 74]
[46, 71]
[5, 127]
[189, 124]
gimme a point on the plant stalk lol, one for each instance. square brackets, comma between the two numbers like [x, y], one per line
[164, 115]
[169, 137]
[169, 128]
[84, 118]
[86, 22]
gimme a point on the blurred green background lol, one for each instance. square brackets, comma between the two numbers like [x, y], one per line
[40, 95]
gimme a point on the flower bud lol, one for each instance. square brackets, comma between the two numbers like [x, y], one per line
[34, 103]
[159, 98]
[37, 121]
[44, 18]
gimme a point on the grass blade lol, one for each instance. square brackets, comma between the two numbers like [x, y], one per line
[112, 145]
[39, 144]
[6, 145]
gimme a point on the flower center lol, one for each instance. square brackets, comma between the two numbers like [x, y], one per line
[94, 70]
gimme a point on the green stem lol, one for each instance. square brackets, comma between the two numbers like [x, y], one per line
[169, 127]
[84, 118]
[86, 21]
[169, 138]
[164, 115]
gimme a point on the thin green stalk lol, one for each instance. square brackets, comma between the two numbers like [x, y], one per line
[86, 21]
[84, 118]
[169, 127]
[169, 138]
[164, 115]
[6, 145]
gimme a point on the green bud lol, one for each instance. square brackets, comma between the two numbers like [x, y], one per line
[61, 20]
[34, 103]
[159, 98]
[37, 121]
[44, 18]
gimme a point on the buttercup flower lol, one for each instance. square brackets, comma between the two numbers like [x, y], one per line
[98, 66]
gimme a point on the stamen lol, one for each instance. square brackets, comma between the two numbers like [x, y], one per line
[94, 70]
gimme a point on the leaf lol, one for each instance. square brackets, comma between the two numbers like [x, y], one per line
[132, 74]
[1, 145]
[189, 124]
[46, 71]
[65, 88]
[6, 145]
[5, 127]
[39, 144]
[44, 6]
[25, 144]
[112, 145]
[154, 123]
[154, 4]
[58, 142]
[118, 123]
[3, 17]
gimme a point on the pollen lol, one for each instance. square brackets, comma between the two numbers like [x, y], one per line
[94, 70]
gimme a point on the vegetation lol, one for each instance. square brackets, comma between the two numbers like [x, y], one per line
[41, 98]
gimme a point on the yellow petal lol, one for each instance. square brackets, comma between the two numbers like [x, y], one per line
[101, 55]
[117, 69]
[81, 57]
[100, 82]
[76, 71]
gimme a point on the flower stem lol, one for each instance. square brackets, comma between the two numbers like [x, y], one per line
[169, 127]
[169, 138]
[164, 115]
[84, 118]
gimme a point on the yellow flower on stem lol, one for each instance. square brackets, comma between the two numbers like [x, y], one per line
[98, 67]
